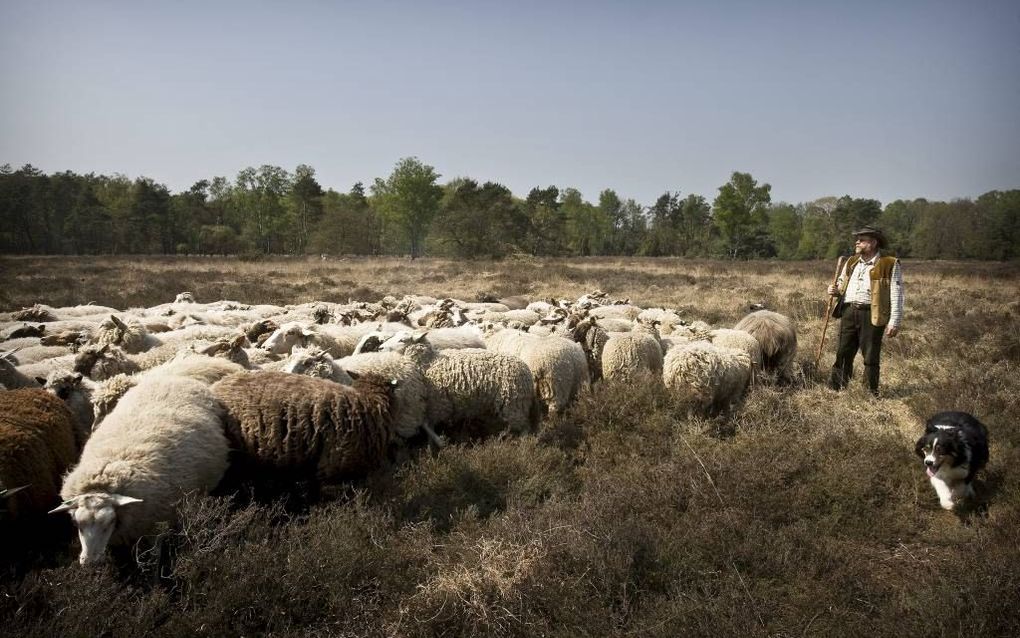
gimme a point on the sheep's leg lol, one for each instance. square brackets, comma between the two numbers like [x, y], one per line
[435, 438]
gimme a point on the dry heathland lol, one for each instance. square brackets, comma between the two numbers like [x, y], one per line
[805, 513]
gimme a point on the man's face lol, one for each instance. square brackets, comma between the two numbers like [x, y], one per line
[865, 245]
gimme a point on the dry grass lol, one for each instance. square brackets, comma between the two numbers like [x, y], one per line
[805, 513]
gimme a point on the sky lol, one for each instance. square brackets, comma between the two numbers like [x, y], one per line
[879, 99]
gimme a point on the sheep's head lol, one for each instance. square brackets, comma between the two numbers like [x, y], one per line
[321, 315]
[60, 383]
[286, 337]
[95, 516]
[403, 340]
[185, 297]
[231, 349]
[372, 341]
[315, 362]
[88, 356]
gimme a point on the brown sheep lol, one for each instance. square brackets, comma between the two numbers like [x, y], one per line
[306, 426]
[37, 445]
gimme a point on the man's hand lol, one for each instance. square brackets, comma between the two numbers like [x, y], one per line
[833, 291]
[892, 331]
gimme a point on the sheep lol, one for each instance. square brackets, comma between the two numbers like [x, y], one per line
[626, 355]
[131, 336]
[76, 393]
[39, 353]
[619, 311]
[592, 339]
[315, 362]
[777, 335]
[409, 401]
[453, 338]
[524, 316]
[37, 445]
[106, 394]
[558, 365]
[231, 349]
[615, 324]
[10, 376]
[102, 362]
[293, 424]
[469, 388]
[739, 340]
[24, 330]
[37, 313]
[164, 439]
[709, 378]
[338, 341]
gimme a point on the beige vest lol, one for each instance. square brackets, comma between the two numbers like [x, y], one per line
[881, 278]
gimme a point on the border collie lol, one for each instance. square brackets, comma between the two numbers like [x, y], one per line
[954, 447]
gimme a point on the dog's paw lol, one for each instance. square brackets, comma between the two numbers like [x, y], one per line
[947, 504]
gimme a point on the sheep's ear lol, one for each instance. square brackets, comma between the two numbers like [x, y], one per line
[120, 324]
[41, 380]
[14, 490]
[66, 506]
[305, 332]
[77, 377]
[120, 499]
[238, 341]
[419, 337]
[105, 348]
[353, 375]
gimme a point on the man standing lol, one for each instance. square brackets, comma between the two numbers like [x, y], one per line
[872, 289]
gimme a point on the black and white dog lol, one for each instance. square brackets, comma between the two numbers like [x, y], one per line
[954, 447]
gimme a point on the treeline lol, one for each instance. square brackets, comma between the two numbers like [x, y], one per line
[269, 210]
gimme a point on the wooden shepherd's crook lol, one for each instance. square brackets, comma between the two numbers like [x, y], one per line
[828, 312]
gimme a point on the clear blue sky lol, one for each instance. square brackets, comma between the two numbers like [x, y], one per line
[890, 99]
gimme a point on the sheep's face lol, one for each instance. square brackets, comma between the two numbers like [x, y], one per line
[400, 341]
[87, 358]
[62, 384]
[312, 362]
[285, 338]
[95, 516]
[372, 342]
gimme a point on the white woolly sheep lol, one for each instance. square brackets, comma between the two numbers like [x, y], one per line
[409, 400]
[472, 392]
[315, 362]
[708, 378]
[739, 340]
[163, 440]
[628, 355]
[558, 365]
[338, 341]
[293, 424]
[37, 445]
[130, 335]
[777, 335]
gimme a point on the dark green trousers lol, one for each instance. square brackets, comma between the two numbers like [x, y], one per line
[857, 333]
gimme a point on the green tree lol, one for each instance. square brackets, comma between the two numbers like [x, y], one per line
[547, 223]
[410, 198]
[784, 230]
[741, 216]
[477, 221]
[305, 204]
[258, 196]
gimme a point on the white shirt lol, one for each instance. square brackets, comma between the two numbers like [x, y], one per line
[858, 287]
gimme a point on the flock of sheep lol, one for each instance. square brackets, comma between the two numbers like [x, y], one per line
[112, 416]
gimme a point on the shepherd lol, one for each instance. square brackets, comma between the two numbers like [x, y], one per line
[871, 287]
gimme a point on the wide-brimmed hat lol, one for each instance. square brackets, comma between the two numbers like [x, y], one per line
[871, 231]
